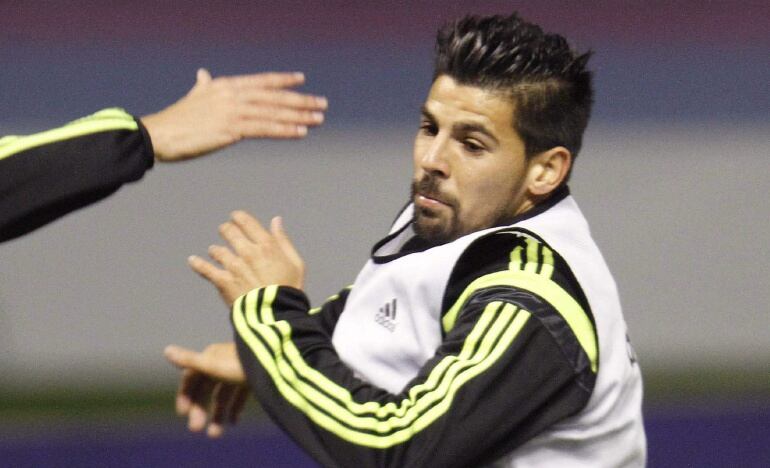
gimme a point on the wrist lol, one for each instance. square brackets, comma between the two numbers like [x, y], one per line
[158, 137]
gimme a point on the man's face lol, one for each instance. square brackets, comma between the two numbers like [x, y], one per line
[469, 164]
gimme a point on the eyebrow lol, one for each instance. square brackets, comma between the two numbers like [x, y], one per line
[474, 127]
[463, 127]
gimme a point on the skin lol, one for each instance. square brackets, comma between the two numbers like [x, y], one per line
[470, 173]
[213, 387]
[469, 165]
[221, 111]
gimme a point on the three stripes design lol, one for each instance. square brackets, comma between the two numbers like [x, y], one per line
[102, 121]
[370, 424]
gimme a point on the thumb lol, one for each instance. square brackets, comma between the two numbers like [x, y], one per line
[182, 357]
[276, 227]
[202, 77]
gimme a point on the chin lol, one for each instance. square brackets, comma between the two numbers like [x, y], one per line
[432, 230]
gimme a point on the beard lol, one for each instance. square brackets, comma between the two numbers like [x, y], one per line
[431, 225]
[443, 225]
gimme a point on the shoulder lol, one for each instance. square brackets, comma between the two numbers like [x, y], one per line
[515, 265]
[511, 250]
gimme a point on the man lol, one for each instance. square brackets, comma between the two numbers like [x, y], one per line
[484, 329]
[46, 175]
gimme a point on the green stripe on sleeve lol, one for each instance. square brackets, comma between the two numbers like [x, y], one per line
[102, 121]
[565, 305]
[329, 299]
[332, 406]
[532, 248]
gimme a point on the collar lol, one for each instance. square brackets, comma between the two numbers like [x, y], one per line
[416, 244]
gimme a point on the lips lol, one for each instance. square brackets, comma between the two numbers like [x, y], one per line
[427, 195]
[430, 200]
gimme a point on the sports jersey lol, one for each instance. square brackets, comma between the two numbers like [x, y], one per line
[47, 175]
[505, 347]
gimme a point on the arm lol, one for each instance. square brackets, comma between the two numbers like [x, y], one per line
[498, 379]
[49, 174]
[512, 363]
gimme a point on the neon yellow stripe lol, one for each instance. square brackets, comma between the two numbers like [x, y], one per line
[565, 305]
[343, 394]
[109, 113]
[435, 412]
[532, 263]
[421, 422]
[434, 388]
[547, 267]
[515, 263]
[268, 296]
[334, 297]
[106, 120]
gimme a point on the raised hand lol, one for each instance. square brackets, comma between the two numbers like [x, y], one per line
[221, 111]
[255, 258]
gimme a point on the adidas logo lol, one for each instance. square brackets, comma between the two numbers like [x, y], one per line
[387, 316]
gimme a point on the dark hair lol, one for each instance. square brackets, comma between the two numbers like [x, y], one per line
[546, 80]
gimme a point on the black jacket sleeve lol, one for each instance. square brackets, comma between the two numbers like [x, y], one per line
[329, 312]
[510, 365]
[47, 175]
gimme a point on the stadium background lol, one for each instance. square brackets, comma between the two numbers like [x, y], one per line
[674, 178]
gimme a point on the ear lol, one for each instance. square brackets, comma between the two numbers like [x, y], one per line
[548, 170]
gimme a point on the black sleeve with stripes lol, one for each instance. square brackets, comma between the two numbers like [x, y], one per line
[47, 175]
[509, 366]
[329, 312]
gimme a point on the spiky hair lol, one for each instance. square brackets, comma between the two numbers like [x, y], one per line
[546, 80]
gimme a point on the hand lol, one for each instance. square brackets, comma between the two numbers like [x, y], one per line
[256, 258]
[219, 112]
[213, 386]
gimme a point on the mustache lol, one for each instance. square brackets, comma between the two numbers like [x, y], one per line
[428, 186]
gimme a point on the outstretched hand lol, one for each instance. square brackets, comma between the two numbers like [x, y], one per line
[221, 111]
[212, 390]
[255, 258]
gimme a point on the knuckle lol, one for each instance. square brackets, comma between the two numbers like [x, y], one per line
[249, 255]
[221, 278]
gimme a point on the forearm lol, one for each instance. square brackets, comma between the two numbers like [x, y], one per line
[49, 174]
[472, 402]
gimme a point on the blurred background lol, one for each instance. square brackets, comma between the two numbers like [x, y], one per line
[674, 178]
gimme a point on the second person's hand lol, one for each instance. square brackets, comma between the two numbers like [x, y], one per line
[218, 112]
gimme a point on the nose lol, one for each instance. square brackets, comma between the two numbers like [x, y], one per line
[433, 159]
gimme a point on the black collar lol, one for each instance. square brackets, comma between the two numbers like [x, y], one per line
[416, 244]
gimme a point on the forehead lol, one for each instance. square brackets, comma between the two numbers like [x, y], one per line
[453, 102]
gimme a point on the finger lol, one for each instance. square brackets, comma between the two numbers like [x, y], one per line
[269, 129]
[239, 240]
[279, 233]
[215, 430]
[186, 384]
[221, 400]
[220, 403]
[201, 397]
[240, 397]
[183, 358]
[283, 98]
[283, 115]
[224, 256]
[208, 271]
[250, 226]
[202, 76]
[267, 80]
